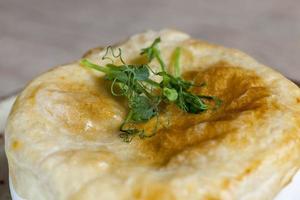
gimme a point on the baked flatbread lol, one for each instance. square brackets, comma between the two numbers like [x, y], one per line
[62, 136]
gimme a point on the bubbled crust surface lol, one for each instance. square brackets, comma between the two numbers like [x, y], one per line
[62, 134]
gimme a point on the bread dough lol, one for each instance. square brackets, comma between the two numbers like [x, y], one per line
[62, 136]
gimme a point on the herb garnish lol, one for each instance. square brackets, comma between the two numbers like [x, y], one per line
[145, 95]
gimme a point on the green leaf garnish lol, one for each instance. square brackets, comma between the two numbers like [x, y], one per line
[154, 52]
[151, 51]
[171, 94]
[145, 95]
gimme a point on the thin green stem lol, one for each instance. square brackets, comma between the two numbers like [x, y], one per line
[128, 117]
[87, 63]
[159, 59]
[177, 62]
[153, 83]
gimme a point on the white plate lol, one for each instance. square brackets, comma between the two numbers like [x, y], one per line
[290, 192]
[13, 193]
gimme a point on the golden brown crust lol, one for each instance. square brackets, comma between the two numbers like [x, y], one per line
[63, 143]
[92, 52]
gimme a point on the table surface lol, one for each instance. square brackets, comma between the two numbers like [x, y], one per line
[36, 35]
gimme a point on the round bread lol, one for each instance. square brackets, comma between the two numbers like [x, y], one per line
[62, 136]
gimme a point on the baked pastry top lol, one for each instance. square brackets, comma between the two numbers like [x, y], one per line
[62, 136]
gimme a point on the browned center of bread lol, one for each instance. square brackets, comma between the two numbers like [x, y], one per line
[243, 94]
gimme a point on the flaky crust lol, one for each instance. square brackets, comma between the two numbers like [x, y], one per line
[62, 134]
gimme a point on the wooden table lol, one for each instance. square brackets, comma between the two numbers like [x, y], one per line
[36, 35]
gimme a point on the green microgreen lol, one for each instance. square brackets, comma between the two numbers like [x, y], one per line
[145, 95]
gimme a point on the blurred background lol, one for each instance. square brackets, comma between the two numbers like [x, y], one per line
[36, 35]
